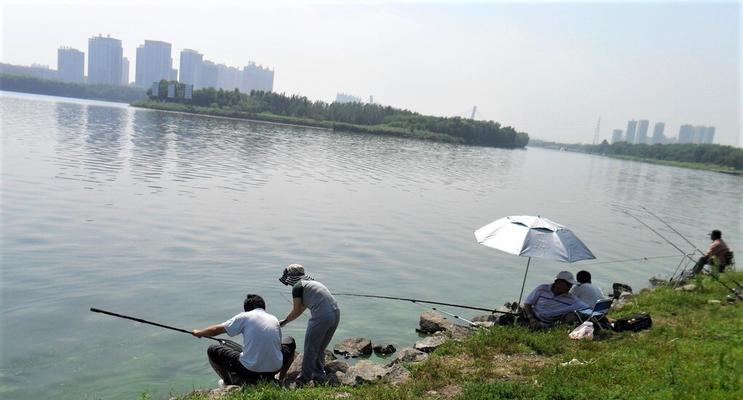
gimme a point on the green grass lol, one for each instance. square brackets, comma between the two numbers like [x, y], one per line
[693, 351]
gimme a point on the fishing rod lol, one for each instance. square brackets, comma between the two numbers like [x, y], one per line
[490, 310]
[682, 237]
[172, 328]
[659, 234]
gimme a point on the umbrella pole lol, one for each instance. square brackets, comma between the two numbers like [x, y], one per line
[524, 282]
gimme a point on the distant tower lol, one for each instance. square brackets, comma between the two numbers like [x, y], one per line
[631, 129]
[642, 131]
[596, 132]
[616, 136]
[658, 136]
[371, 99]
[474, 111]
[70, 64]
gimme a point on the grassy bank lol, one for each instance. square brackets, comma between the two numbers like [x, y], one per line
[684, 164]
[383, 130]
[693, 351]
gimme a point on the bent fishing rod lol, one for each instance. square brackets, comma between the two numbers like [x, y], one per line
[372, 296]
[172, 328]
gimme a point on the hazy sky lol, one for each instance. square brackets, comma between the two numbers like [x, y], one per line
[548, 68]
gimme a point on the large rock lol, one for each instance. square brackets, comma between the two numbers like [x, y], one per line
[459, 332]
[336, 365]
[366, 371]
[409, 355]
[354, 347]
[689, 287]
[430, 343]
[363, 371]
[432, 322]
[397, 374]
[384, 350]
[295, 369]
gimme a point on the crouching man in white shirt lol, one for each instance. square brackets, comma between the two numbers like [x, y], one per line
[585, 291]
[263, 354]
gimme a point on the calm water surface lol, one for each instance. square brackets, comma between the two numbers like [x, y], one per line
[174, 218]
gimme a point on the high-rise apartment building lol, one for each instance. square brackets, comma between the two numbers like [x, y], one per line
[256, 77]
[686, 134]
[153, 63]
[104, 60]
[124, 71]
[642, 131]
[209, 74]
[709, 135]
[631, 130]
[658, 136]
[190, 67]
[70, 65]
[616, 136]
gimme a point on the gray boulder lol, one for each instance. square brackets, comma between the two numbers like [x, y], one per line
[336, 365]
[431, 322]
[329, 356]
[397, 374]
[363, 371]
[354, 347]
[430, 343]
[409, 355]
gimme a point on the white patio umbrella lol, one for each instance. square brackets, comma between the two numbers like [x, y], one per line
[530, 236]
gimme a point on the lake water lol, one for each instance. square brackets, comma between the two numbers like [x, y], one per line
[174, 218]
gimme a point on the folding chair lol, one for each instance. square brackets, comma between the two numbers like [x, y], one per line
[595, 314]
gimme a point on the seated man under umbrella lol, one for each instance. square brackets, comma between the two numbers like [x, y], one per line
[549, 304]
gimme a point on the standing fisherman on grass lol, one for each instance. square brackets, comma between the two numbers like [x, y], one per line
[325, 316]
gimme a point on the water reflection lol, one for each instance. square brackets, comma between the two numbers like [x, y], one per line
[150, 138]
[105, 128]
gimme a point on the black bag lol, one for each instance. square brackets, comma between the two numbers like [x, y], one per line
[633, 323]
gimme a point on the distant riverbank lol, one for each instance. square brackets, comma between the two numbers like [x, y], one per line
[283, 119]
[358, 117]
[707, 157]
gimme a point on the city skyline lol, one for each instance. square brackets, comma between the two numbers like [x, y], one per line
[546, 69]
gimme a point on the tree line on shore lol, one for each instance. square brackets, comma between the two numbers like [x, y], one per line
[726, 156]
[27, 84]
[483, 133]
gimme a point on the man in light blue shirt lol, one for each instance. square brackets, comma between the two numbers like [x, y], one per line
[548, 304]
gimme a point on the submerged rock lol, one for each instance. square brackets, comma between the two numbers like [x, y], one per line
[431, 322]
[354, 347]
[409, 355]
[384, 349]
[430, 343]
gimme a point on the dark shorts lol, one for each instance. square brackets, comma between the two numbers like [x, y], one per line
[228, 358]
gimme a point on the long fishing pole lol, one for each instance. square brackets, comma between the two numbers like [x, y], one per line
[681, 236]
[490, 310]
[172, 328]
[660, 235]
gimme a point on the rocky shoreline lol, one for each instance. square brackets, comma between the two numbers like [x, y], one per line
[439, 329]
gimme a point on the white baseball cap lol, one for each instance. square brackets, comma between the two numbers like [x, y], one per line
[567, 276]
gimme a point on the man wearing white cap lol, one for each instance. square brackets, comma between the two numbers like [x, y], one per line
[547, 304]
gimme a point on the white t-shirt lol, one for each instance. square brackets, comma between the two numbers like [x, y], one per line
[261, 339]
[548, 307]
[587, 293]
